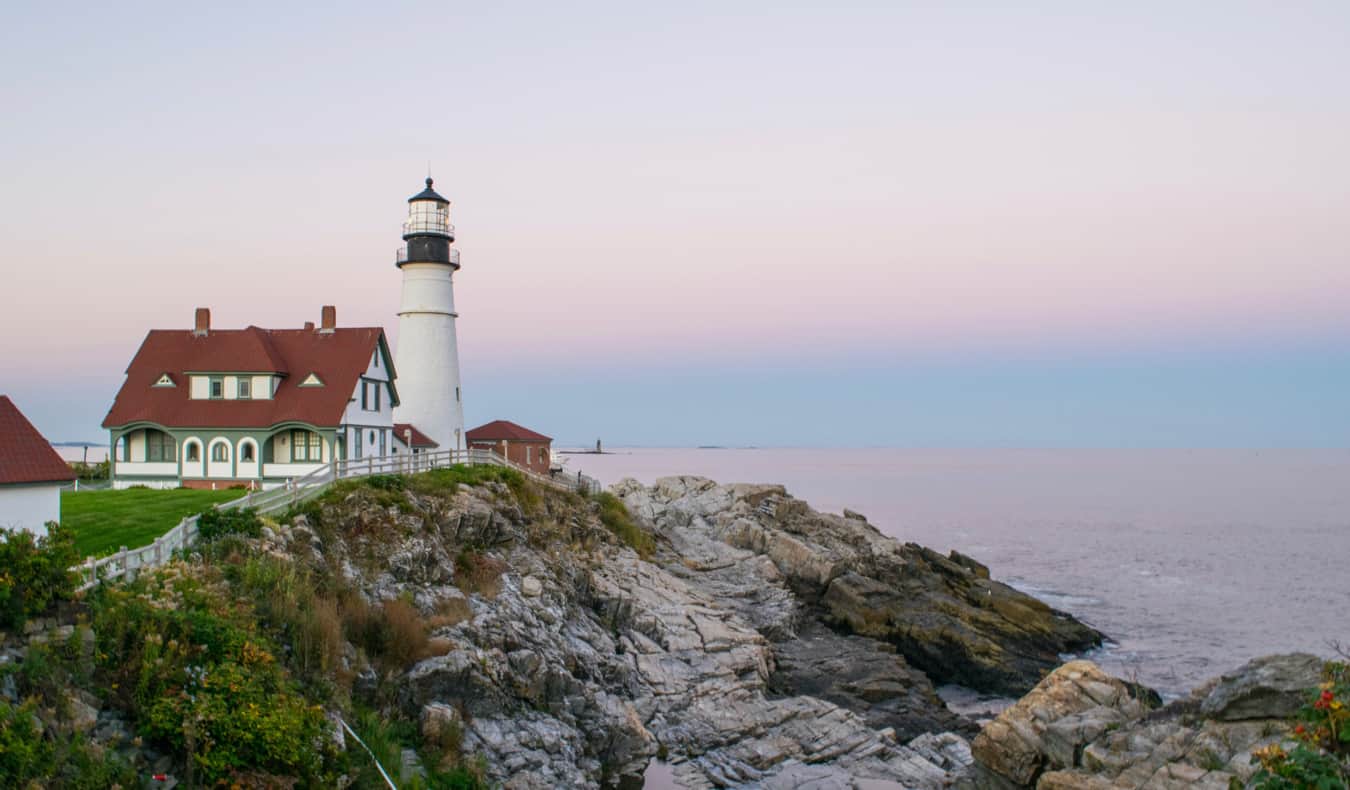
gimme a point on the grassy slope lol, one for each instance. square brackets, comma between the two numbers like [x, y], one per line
[106, 520]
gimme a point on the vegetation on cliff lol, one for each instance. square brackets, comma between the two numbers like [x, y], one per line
[234, 663]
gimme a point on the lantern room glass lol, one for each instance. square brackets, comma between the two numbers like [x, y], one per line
[428, 216]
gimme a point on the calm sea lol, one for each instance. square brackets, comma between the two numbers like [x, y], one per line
[1192, 561]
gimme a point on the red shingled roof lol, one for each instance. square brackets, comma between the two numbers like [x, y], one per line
[419, 439]
[26, 457]
[505, 429]
[338, 357]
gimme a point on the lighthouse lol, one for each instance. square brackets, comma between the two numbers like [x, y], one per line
[428, 354]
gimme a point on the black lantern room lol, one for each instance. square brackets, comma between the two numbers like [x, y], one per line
[428, 230]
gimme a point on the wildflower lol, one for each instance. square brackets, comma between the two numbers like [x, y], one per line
[1300, 729]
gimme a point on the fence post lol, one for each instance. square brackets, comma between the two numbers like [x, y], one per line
[91, 570]
[159, 556]
[122, 561]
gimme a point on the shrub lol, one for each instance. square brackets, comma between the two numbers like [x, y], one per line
[385, 482]
[392, 632]
[445, 767]
[185, 658]
[35, 572]
[24, 754]
[1320, 760]
[236, 521]
[289, 599]
[616, 518]
[476, 572]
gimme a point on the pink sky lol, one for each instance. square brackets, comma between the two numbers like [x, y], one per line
[652, 187]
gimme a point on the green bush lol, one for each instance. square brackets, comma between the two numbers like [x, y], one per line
[181, 653]
[24, 754]
[35, 572]
[236, 521]
[29, 758]
[616, 518]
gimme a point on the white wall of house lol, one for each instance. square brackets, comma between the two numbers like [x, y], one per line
[376, 425]
[30, 507]
[199, 387]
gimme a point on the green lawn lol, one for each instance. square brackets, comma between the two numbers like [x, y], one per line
[106, 520]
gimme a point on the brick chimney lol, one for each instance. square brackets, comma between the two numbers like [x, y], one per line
[202, 326]
[309, 326]
[328, 319]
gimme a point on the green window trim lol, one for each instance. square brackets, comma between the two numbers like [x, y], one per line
[244, 388]
[215, 387]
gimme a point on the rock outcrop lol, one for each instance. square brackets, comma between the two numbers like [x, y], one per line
[944, 615]
[722, 652]
[1080, 729]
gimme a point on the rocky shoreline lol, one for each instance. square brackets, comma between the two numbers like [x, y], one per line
[736, 635]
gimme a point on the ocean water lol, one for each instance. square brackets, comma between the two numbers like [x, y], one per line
[1191, 561]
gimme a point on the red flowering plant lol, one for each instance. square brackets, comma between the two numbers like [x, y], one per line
[1320, 757]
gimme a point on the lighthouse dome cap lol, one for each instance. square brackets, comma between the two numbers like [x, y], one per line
[428, 194]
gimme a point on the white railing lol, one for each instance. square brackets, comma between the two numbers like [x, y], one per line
[124, 563]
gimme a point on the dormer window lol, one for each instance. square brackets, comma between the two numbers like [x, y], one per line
[245, 389]
[217, 389]
[312, 380]
[164, 381]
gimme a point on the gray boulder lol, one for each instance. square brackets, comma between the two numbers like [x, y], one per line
[1270, 687]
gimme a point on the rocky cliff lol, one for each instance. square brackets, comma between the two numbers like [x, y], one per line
[757, 641]
[530, 638]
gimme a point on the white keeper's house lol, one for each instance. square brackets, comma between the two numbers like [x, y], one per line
[212, 408]
[206, 407]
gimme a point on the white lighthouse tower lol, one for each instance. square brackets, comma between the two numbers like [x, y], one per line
[428, 355]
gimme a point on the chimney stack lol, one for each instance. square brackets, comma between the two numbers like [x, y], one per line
[202, 326]
[309, 326]
[328, 321]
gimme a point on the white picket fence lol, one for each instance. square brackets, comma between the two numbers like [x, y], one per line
[125, 563]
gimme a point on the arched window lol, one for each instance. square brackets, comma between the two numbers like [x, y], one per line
[220, 452]
[246, 451]
[192, 451]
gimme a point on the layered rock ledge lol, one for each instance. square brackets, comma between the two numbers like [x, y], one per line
[760, 644]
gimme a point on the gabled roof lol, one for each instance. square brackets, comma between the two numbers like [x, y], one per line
[26, 457]
[338, 357]
[505, 429]
[419, 439]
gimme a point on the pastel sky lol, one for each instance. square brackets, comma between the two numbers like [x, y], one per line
[938, 224]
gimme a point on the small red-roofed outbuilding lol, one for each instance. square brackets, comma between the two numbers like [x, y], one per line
[516, 443]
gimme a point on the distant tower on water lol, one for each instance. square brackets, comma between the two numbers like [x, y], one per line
[427, 359]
